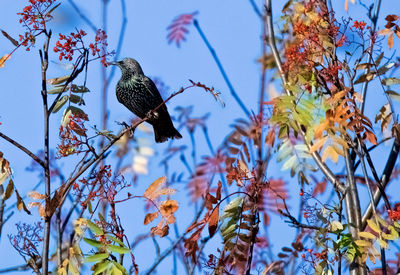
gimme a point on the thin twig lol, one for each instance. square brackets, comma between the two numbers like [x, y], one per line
[23, 149]
[83, 16]
[221, 69]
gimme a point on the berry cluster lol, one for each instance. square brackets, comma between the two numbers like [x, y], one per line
[34, 18]
[395, 214]
[69, 44]
[70, 142]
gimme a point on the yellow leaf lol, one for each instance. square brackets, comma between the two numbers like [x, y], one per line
[331, 153]
[318, 145]
[374, 226]
[363, 243]
[346, 5]
[4, 59]
[367, 235]
[382, 243]
[394, 235]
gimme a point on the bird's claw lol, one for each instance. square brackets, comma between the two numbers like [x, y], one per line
[127, 127]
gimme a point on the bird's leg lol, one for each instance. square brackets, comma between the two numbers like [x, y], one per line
[126, 126]
[152, 115]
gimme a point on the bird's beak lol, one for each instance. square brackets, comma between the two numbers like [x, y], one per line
[117, 63]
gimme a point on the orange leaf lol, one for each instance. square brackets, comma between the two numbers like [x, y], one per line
[390, 40]
[4, 59]
[168, 207]
[36, 195]
[150, 217]
[213, 221]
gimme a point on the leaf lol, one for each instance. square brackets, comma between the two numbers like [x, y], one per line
[9, 190]
[100, 267]
[76, 99]
[4, 59]
[79, 89]
[12, 40]
[58, 80]
[150, 217]
[168, 207]
[336, 226]
[20, 203]
[96, 257]
[118, 249]
[94, 228]
[154, 191]
[94, 243]
[390, 40]
[60, 103]
[390, 81]
[373, 226]
[50, 11]
[393, 94]
[367, 235]
[213, 221]
[114, 239]
[36, 195]
[57, 90]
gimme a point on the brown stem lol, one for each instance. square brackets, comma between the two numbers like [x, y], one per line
[23, 149]
[46, 239]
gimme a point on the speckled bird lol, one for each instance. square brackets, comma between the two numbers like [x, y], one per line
[140, 95]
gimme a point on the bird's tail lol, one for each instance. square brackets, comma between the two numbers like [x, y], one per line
[165, 131]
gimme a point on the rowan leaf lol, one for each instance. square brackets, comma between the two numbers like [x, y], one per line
[150, 217]
[390, 81]
[9, 190]
[118, 249]
[60, 103]
[213, 221]
[96, 257]
[3, 59]
[373, 226]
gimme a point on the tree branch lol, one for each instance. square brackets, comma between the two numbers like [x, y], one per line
[23, 149]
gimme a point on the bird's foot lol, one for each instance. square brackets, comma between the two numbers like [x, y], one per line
[126, 126]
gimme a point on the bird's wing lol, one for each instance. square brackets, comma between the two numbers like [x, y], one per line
[152, 89]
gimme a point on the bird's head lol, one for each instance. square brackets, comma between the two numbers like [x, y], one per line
[128, 66]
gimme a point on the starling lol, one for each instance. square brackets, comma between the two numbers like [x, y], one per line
[140, 95]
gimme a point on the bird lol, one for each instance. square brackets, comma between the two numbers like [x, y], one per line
[140, 95]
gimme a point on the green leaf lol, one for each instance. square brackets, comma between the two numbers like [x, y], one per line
[390, 81]
[100, 267]
[94, 243]
[94, 228]
[118, 249]
[76, 99]
[118, 269]
[60, 103]
[97, 257]
[57, 90]
[112, 238]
